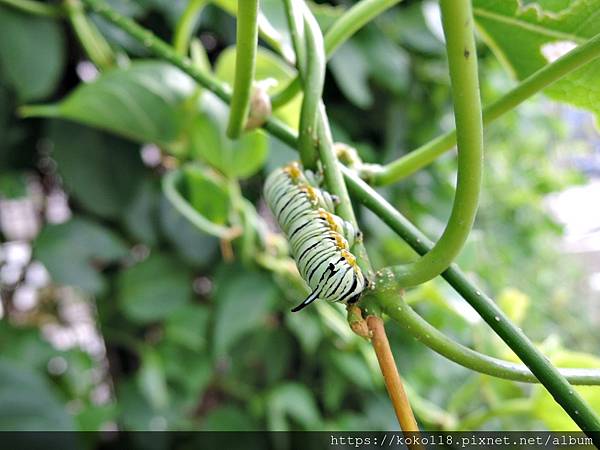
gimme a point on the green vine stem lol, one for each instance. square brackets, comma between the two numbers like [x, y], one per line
[35, 8]
[462, 59]
[295, 22]
[544, 77]
[539, 365]
[94, 44]
[185, 26]
[314, 79]
[397, 309]
[548, 375]
[171, 185]
[353, 20]
[245, 60]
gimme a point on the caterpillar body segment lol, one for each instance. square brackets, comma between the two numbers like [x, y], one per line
[320, 241]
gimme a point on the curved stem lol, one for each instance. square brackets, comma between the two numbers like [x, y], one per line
[185, 26]
[295, 22]
[353, 20]
[397, 309]
[314, 79]
[539, 80]
[94, 44]
[544, 371]
[170, 188]
[35, 8]
[460, 43]
[391, 377]
[245, 60]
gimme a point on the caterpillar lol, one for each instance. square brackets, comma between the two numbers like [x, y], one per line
[319, 240]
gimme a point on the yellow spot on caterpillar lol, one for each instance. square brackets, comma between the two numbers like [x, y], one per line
[329, 218]
[310, 193]
[340, 242]
[293, 171]
[350, 259]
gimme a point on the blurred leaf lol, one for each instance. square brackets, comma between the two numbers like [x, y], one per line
[545, 407]
[526, 38]
[353, 368]
[100, 171]
[27, 403]
[272, 71]
[291, 401]
[145, 102]
[193, 246]
[151, 379]
[25, 346]
[242, 302]
[13, 185]
[207, 192]
[307, 328]
[228, 418]
[351, 72]
[32, 53]
[188, 327]
[514, 303]
[155, 288]
[74, 252]
[140, 217]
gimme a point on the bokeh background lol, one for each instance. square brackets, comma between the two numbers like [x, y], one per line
[117, 313]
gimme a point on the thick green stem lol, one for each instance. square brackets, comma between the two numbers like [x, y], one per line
[548, 375]
[35, 7]
[185, 26]
[395, 307]
[94, 44]
[344, 28]
[245, 60]
[539, 365]
[460, 43]
[314, 79]
[539, 80]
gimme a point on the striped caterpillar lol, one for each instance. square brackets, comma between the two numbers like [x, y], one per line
[319, 240]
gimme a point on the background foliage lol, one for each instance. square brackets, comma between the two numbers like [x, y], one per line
[119, 313]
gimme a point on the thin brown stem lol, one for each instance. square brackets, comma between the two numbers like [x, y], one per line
[393, 383]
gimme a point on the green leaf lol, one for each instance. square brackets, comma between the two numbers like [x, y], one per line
[242, 301]
[145, 102]
[32, 53]
[353, 368]
[27, 402]
[527, 37]
[209, 142]
[291, 401]
[228, 418]
[188, 327]
[351, 72]
[141, 214]
[154, 288]
[207, 193]
[514, 303]
[307, 328]
[100, 171]
[270, 69]
[74, 252]
[151, 379]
